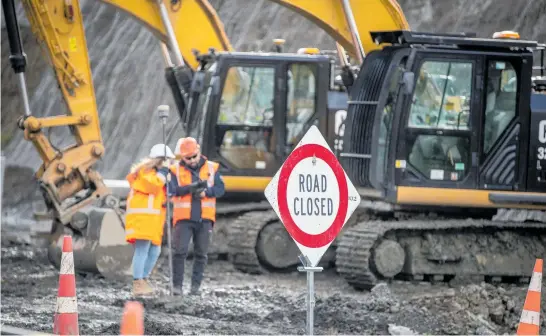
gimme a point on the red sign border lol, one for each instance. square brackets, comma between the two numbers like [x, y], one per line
[320, 152]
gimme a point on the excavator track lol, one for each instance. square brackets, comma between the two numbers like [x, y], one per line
[438, 250]
[243, 238]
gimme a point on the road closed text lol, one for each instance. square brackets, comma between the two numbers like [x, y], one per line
[315, 200]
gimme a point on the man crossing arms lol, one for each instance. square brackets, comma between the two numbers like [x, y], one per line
[194, 210]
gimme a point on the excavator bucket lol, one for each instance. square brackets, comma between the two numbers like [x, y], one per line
[98, 243]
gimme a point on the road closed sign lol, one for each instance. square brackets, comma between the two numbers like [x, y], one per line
[312, 195]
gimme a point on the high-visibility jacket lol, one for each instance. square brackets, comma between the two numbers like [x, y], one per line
[145, 214]
[182, 204]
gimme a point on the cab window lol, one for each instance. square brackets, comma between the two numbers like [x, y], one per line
[248, 96]
[500, 101]
[245, 119]
[301, 99]
[441, 101]
[442, 96]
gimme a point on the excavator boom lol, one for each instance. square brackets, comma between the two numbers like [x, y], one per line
[350, 21]
[194, 22]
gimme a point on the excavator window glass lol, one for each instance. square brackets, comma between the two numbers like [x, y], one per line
[301, 99]
[500, 101]
[442, 96]
[385, 129]
[441, 102]
[246, 117]
[248, 96]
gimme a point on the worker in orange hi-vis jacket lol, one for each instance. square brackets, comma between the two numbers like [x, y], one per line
[194, 210]
[145, 215]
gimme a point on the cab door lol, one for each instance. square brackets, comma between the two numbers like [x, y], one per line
[244, 110]
[438, 137]
[305, 100]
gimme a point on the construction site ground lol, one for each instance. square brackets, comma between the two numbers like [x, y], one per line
[236, 303]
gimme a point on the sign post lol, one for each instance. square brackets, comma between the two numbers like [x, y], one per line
[314, 198]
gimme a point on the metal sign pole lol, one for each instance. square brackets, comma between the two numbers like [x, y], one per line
[163, 111]
[2, 168]
[310, 299]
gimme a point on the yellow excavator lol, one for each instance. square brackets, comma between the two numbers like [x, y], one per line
[74, 192]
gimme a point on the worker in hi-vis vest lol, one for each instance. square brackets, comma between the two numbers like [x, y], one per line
[194, 210]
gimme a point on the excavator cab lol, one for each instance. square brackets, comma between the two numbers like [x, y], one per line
[253, 108]
[432, 115]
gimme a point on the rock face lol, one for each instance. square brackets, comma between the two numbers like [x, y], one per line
[128, 67]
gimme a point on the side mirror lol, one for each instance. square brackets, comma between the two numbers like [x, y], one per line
[407, 81]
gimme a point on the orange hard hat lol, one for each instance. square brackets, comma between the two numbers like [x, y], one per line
[187, 146]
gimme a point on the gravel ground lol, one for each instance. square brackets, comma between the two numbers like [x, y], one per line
[237, 303]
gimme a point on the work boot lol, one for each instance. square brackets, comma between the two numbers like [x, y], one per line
[148, 285]
[140, 288]
[177, 291]
[194, 290]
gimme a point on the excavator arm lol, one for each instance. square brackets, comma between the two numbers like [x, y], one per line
[58, 26]
[67, 177]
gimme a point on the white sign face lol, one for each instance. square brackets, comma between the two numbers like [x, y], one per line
[312, 195]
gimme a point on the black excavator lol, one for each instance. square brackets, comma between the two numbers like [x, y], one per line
[444, 136]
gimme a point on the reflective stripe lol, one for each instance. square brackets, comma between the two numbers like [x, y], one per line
[151, 201]
[67, 263]
[530, 317]
[149, 210]
[66, 305]
[143, 211]
[187, 205]
[210, 180]
[536, 282]
[182, 205]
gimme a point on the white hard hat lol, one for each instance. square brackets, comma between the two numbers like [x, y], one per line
[177, 148]
[158, 151]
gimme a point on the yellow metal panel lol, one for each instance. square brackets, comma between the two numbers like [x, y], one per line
[245, 183]
[456, 197]
[370, 15]
[195, 23]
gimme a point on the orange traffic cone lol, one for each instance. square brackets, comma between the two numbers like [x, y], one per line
[132, 322]
[66, 311]
[529, 323]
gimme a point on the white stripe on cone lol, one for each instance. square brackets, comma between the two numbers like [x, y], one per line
[66, 305]
[67, 263]
[530, 317]
[536, 282]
